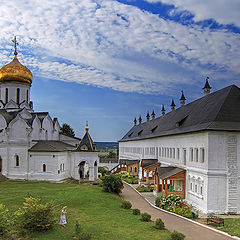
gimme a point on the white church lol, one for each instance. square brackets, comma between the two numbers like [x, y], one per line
[31, 145]
[196, 148]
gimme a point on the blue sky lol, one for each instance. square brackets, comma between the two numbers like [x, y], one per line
[109, 61]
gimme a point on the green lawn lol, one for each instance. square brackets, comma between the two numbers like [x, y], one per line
[232, 226]
[99, 213]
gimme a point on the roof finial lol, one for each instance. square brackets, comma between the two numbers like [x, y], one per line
[86, 128]
[153, 115]
[173, 105]
[15, 45]
[182, 99]
[163, 110]
[148, 117]
[206, 87]
[135, 121]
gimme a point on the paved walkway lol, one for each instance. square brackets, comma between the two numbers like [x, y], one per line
[191, 230]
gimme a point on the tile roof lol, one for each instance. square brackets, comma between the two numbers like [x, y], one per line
[50, 146]
[216, 111]
[166, 172]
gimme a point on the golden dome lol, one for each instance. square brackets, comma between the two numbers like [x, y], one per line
[15, 72]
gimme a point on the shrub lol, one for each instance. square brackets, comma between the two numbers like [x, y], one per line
[126, 205]
[136, 211]
[112, 183]
[143, 188]
[84, 236]
[177, 236]
[4, 221]
[35, 216]
[145, 217]
[159, 224]
[102, 170]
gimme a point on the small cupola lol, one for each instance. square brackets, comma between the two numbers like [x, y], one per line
[148, 117]
[163, 110]
[140, 120]
[182, 99]
[135, 122]
[207, 87]
[153, 115]
[173, 105]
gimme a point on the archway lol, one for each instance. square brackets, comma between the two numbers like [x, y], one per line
[95, 170]
[83, 170]
[0, 164]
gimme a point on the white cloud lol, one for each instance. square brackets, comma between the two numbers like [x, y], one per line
[108, 44]
[224, 12]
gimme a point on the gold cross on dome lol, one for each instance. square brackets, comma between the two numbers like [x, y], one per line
[15, 45]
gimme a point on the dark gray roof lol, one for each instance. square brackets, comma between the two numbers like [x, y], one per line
[166, 172]
[127, 161]
[107, 160]
[50, 146]
[216, 111]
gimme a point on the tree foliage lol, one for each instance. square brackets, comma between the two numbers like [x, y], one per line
[67, 130]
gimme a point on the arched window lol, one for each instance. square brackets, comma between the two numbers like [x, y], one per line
[16, 160]
[27, 96]
[6, 95]
[44, 167]
[135, 169]
[18, 95]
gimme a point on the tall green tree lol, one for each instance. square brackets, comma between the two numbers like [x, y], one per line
[67, 130]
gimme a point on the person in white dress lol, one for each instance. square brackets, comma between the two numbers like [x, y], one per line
[63, 220]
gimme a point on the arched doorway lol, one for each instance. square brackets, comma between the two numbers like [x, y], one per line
[82, 169]
[95, 170]
[0, 165]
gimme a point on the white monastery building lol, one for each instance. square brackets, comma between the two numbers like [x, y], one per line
[31, 146]
[201, 139]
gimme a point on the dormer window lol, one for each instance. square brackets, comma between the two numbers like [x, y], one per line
[130, 134]
[84, 148]
[180, 123]
[154, 129]
[140, 132]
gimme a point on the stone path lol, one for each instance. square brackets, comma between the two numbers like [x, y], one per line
[191, 230]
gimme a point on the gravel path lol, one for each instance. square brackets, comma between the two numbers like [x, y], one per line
[191, 230]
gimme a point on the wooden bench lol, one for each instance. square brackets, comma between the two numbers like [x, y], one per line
[215, 219]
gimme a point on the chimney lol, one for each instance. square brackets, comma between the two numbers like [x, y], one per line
[163, 110]
[182, 99]
[173, 105]
[135, 122]
[148, 117]
[207, 87]
[140, 120]
[153, 115]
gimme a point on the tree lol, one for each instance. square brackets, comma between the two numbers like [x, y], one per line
[112, 184]
[67, 130]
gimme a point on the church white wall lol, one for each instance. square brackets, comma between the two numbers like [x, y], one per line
[47, 126]
[52, 160]
[12, 92]
[18, 130]
[36, 126]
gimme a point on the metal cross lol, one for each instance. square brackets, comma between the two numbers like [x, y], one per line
[15, 45]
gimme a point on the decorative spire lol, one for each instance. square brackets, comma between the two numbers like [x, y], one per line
[148, 117]
[135, 122]
[140, 120]
[86, 128]
[153, 115]
[182, 99]
[206, 87]
[163, 110]
[173, 105]
[15, 45]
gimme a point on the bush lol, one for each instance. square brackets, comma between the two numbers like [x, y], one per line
[159, 224]
[136, 211]
[126, 205]
[112, 183]
[35, 216]
[177, 236]
[143, 188]
[79, 234]
[4, 221]
[102, 170]
[145, 217]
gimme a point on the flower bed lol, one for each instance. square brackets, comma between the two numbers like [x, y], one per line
[129, 179]
[143, 188]
[175, 204]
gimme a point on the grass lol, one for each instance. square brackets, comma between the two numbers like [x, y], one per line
[232, 226]
[98, 213]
